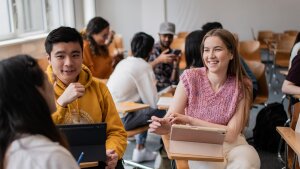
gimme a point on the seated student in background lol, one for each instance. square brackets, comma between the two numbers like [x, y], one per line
[291, 85]
[192, 49]
[134, 80]
[223, 101]
[164, 62]
[217, 25]
[29, 138]
[81, 98]
[97, 37]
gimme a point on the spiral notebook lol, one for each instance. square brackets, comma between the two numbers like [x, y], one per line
[195, 140]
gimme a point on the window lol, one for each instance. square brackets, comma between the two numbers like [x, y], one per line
[27, 17]
[5, 14]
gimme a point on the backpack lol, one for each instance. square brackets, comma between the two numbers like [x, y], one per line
[265, 136]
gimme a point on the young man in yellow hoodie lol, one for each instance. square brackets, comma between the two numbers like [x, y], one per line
[81, 98]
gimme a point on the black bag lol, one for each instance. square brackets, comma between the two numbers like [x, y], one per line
[265, 136]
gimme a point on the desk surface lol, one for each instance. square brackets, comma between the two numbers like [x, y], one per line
[291, 137]
[164, 102]
[297, 96]
[125, 107]
[284, 72]
[166, 140]
[89, 164]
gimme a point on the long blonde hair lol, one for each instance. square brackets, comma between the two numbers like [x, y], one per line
[234, 67]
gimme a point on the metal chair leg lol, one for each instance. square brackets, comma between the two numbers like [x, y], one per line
[279, 152]
[131, 163]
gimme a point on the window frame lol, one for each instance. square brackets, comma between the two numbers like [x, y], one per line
[19, 33]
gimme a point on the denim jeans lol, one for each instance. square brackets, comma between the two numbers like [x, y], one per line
[139, 118]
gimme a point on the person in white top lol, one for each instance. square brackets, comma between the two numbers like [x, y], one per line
[133, 80]
[29, 138]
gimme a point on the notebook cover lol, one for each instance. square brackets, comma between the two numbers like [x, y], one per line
[196, 140]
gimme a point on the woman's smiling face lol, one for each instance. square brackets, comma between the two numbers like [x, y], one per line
[216, 55]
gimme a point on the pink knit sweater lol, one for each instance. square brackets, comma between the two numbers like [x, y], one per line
[203, 103]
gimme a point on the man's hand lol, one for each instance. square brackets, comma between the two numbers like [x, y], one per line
[72, 92]
[164, 57]
[112, 159]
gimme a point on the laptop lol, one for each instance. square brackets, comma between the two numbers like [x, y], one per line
[87, 138]
[196, 140]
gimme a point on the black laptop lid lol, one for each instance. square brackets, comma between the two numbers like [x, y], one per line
[87, 138]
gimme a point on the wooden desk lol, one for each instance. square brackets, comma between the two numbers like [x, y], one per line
[166, 141]
[89, 164]
[297, 96]
[164, 103]
[125, 107]
[284, 72]
[167, 95]
[291, 137]
[168, 91]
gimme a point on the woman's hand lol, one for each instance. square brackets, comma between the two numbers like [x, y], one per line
[117, 57]
[110, 37]
[160, 126]
[180, 119]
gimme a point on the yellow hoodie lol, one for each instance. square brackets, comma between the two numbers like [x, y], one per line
[96, 105]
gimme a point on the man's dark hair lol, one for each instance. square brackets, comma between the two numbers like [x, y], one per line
[211, 25]
[62, 34]
[141, 45]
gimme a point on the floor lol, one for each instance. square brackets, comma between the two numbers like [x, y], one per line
[268, 160]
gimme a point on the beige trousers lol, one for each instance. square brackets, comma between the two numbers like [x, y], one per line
[238, 155]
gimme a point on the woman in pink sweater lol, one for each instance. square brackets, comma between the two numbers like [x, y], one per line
[217, 95]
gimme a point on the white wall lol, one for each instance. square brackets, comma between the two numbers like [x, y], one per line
[238, 16]
[152, 15]
[124, 16]
[130, 16]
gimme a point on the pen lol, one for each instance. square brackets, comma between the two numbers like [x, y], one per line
[80, 158]
[150, 121]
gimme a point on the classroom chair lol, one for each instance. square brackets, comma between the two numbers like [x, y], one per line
[250, 50]
[291, 138]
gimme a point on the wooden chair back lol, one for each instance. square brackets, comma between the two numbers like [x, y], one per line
[278, 36]
[182, 34]
[258, 70]
[263, 36]
[291, 32]
[283, 49]
[43, 63]
[179, 43]
[250, 50]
